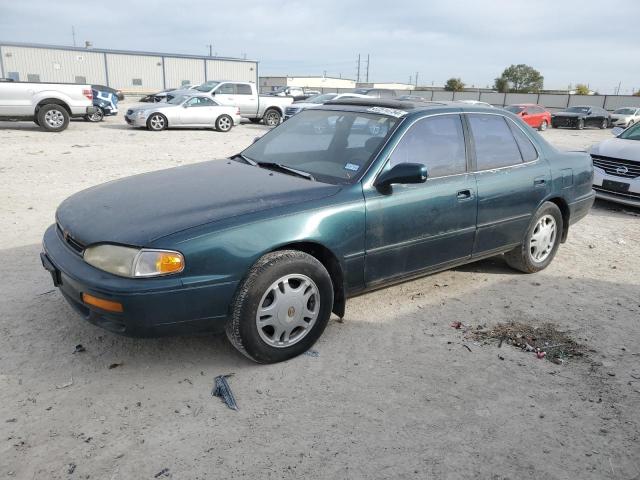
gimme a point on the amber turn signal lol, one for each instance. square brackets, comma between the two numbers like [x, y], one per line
[101, 303]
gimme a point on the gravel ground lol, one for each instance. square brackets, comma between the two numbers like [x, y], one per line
[393, 393]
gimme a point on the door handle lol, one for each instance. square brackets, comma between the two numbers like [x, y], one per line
[464, 194]
[539, 182]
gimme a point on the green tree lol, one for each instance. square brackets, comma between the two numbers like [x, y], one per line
[637, 94]
[454, 85]
[501, 84]
[582, 89]
[523, 78]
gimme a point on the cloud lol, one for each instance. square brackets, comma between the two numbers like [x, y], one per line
[568, 41]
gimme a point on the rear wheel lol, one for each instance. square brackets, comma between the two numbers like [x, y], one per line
[53, 118]
[281, 307]
[272, 117]
[580, 125]
[157, 122]
[604, 124]
[96, 116]
[543, 126]
[540, 242]
[224, 123]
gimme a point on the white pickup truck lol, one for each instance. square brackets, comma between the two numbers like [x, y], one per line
[244, 96]
[49, 105]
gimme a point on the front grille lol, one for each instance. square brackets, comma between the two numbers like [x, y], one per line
[129, 112]
[72, 242]
[620, 194]
[563, 121]
[616, 166]
[290, 111]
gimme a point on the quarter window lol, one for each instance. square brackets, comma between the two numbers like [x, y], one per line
[527, 150]
[437, 142]
[494, 142]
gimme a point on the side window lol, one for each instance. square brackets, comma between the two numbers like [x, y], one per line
[527, 150]
[437, 142]
[226, 89]
[242, 89]
[494, 142]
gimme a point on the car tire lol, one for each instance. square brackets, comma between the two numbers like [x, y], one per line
[540, 242]
[580, 125]
[53, 118]
[255, 120]
[604, 124]
[157, 122]
[284, 271]
[543, 126]
[272, 117]
[95, 117]
[224, 123]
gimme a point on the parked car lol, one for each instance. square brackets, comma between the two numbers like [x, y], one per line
[115, 91]
[48, 105]
[106, 104]
[625, 117]
[533, 115]
[476, 102]
[157, 97]
[245, 96]
[184, 111]
[376, 92]
[616, 165]
[312, 102]
[412, 98]
[581, 116]
[266, 244]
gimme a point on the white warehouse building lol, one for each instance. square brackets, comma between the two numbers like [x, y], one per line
[129, 71]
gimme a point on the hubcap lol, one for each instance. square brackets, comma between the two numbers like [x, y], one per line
[288, 310]
[272, 119]
[543, 238]
[543, 126]
[224, 124]
[157, 122]
[54, 118]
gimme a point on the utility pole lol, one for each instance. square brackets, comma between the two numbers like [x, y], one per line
[618, 89]
[417, 78]
[368, 67]
[73, 34]
[358, 76]
[211, 50]
[324, 74]
[410, 82]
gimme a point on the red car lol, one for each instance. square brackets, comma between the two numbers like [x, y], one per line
[534, 115]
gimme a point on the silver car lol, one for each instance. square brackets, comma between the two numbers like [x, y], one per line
[184, 111]
[625, 117]
[616, 167]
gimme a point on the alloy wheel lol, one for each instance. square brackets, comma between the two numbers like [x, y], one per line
[54, 118]
[543, 238]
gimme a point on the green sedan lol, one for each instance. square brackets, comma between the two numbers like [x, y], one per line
[339, 200]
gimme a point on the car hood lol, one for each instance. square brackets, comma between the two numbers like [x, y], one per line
[140, 209]
[569, 114]
[618, 148]
[152, 106]
[304, 105]
[620, 116]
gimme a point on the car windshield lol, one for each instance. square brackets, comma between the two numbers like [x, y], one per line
[319, 99]
[334, 146]
[177, 100]
[206, 86]
[514, 108]
[578, 109]
[625, 111]
[362, 91]
[631, 133]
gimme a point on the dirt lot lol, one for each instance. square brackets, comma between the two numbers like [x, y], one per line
[394, 393]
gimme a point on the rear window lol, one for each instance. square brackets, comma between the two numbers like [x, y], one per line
[494, 143]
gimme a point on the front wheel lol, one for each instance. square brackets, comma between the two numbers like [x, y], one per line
[543, 126]
[604, 124]
[540, 242]
[281, 307]
[157, 122]
[272, 117]
[580, 125]
[224, 123]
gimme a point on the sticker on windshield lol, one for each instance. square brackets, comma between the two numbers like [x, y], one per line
[387, 111]
[352, 166]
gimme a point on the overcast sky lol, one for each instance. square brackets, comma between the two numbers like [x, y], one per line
[589, 41]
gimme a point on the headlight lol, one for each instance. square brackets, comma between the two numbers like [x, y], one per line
[134, 262]
[141, 113]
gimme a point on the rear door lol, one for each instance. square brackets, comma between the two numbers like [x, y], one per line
[412, 228]
[512, 181]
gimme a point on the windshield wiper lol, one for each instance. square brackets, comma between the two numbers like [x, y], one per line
[248, 160]
[285, 168]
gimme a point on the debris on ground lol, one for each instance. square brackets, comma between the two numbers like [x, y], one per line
[312, 353]
[546, 341]
[65, 385]
[71, 468]
[79, 349]
[162, 473]
[466, 346]
[223, 390]
[457, 325]
[115, 365]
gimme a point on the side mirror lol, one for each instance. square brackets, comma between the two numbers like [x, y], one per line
[616, 131]
[403, 173]
[184, 105]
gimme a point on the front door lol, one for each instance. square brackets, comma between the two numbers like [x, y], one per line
[412, 228]
[512, 181]
[197, 111]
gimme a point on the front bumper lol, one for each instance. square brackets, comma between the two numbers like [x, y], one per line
[152, 307]
[615, 188]
[569, 122]
[136, 121]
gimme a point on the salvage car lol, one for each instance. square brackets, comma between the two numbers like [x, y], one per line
[106, 104]
[184, 111]
[535, 116]
[265, 245]
[616, 165]
[625, 117]
[581, 116]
